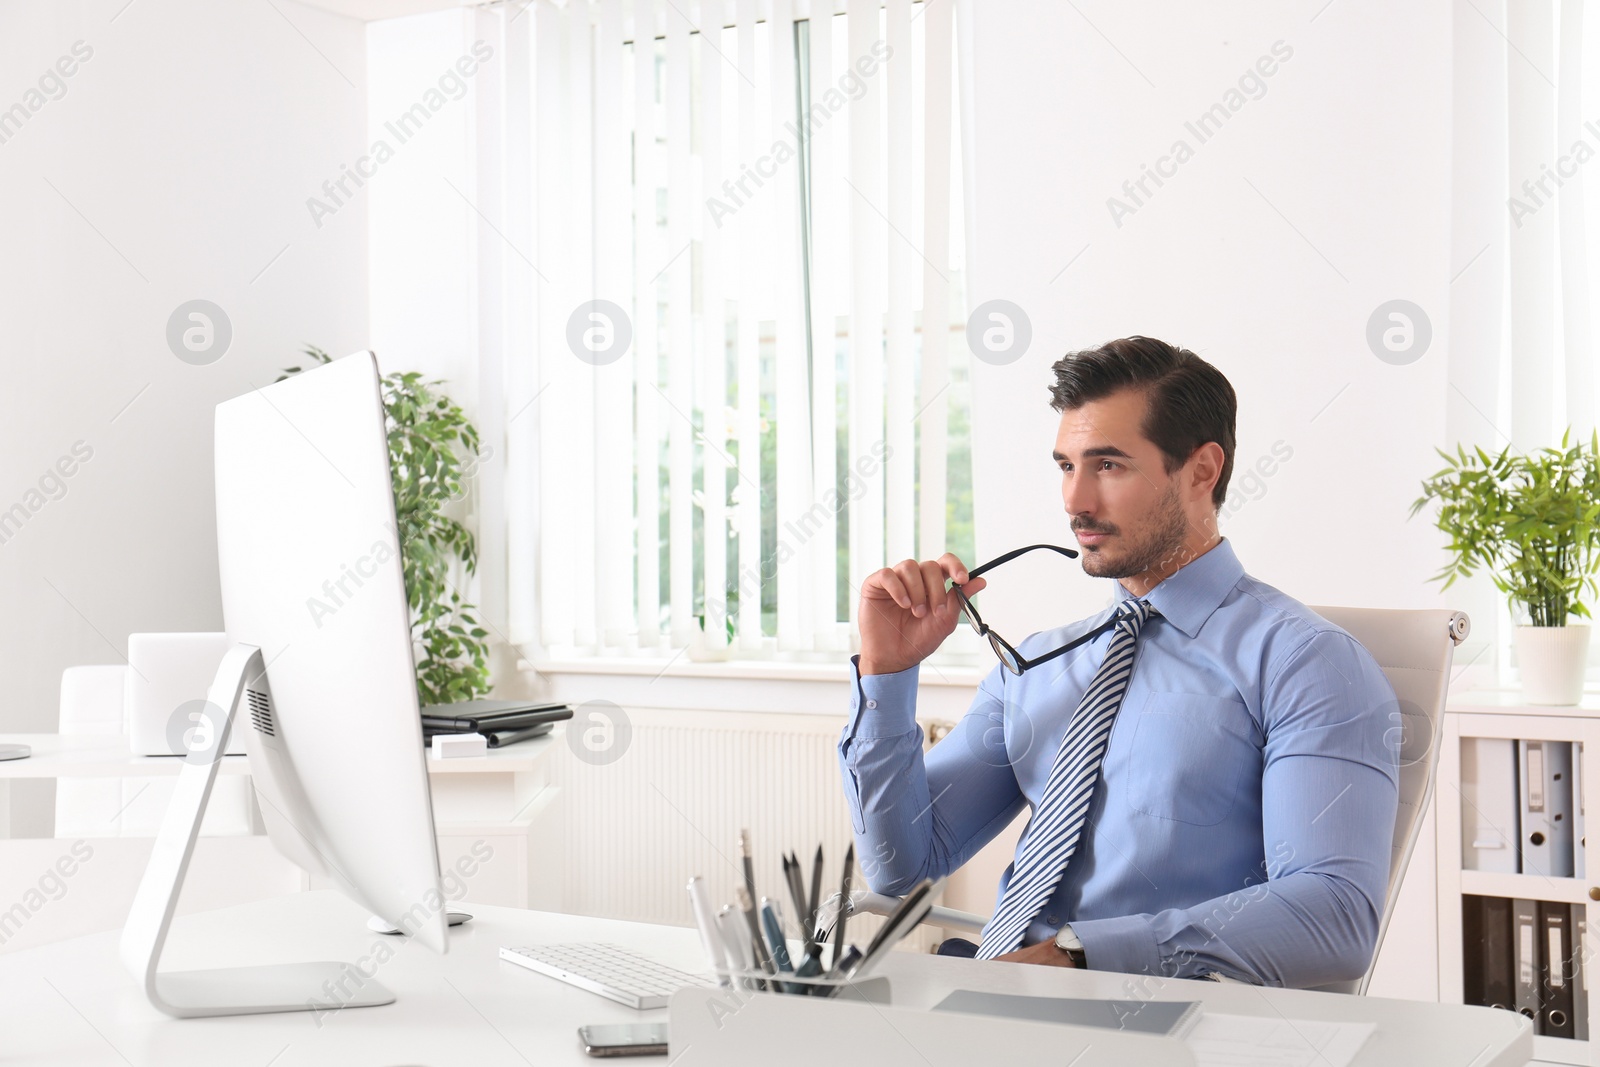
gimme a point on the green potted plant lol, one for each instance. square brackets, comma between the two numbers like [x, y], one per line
[1530, 520]
[429, 436]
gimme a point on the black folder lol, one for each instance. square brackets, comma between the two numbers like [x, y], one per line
[1555, 977]
[1488, 962]
[1580, 977]
[477, 716]
[1527, 946]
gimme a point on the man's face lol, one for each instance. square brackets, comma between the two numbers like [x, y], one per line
[1125, 509]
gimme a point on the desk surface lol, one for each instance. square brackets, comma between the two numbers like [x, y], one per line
[73, 1002]
[107, 756]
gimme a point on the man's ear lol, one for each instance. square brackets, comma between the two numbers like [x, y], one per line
[1204, 468]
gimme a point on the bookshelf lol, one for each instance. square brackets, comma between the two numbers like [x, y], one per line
[1502, 715]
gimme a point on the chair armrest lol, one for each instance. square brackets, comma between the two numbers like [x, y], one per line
[864, 902]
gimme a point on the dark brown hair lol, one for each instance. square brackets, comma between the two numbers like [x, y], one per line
[1188, 401]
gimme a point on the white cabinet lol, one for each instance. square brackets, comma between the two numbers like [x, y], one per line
[1472, 812]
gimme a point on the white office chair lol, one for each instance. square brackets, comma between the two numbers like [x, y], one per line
[92, 702]
[1414, 649]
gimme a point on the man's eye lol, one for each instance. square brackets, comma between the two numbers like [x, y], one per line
[1107, 463]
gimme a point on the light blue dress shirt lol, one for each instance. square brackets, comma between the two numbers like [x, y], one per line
[1245, 808]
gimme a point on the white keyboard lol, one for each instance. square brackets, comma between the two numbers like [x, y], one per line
[612, 972]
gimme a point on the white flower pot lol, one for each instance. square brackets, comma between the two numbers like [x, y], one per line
[701, 650]
[1551, 659]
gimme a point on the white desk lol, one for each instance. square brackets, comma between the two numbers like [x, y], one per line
[73, 1003]
[107, 756]
[499, 798]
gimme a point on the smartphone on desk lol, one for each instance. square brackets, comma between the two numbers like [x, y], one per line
[625, 1039]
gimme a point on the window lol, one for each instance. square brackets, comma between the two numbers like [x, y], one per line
[749, 383]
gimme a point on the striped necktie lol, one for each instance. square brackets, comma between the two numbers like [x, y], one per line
[1058, 820]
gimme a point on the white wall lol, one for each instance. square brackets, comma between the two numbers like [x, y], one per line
[422, 257]
[176, 166]
[1266, 254]
[426, 211]
[194, 135]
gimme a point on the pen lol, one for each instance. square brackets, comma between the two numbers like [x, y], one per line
[810, 967]
[791, 872]
[815, 901]
[912, 910]
[844, 904]
[757, 942]
[843, 969]
[736, 941]
[707, 923]
[749, 865]
[776, 943]
[810, 964]
[887, 932]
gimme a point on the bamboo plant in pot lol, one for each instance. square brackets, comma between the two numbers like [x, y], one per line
[1530, 520]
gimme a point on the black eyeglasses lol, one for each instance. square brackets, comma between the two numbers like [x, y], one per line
[1010, 658]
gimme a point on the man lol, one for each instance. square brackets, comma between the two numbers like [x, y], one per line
[1225, 797]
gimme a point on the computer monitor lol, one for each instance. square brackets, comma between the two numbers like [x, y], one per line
[319, 678]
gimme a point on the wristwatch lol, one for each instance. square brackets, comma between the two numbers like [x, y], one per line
[1068, 942]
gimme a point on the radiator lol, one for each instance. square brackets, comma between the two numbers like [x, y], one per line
[672, 805]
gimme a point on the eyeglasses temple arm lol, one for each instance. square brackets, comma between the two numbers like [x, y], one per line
[1069, 646]
[1013, 554]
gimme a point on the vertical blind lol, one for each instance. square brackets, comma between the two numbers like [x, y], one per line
[739, 393]
[1550, 362]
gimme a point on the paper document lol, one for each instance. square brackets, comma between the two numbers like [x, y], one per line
[1250, 1041]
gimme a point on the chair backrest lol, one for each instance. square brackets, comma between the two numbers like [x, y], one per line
[1414, 648]
[91, 700]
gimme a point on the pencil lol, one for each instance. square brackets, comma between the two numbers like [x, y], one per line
[844, 903]
[816, 896]
[749, 865]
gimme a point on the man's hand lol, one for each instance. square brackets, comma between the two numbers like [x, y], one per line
[1044, 952]
[906, 612]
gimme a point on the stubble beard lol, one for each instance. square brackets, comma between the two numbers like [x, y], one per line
[1163, 540]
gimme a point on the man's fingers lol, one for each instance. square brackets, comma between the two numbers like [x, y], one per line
[910, 572]
[920, 587]
[891, 584]
[971, 588]
[939, 598]
[952, 566]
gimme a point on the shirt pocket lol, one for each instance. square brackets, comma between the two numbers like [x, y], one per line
[1189, 754]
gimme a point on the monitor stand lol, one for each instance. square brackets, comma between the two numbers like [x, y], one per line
[316, 987]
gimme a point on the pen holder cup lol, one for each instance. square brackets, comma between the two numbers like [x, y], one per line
[870, 990]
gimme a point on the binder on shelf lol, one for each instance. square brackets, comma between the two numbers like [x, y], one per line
[1488, 963]
[1555, 977]
[1526, 941]
[1545, 779]
[1579, 864]
[1580, 972]
[1489, 806]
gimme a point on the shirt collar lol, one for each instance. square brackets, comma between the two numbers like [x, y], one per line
[1188, 597]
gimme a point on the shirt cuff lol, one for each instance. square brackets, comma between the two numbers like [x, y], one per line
[1125, 944]
[882, 705]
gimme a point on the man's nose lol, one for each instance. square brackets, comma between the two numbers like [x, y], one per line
[1079, 496]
